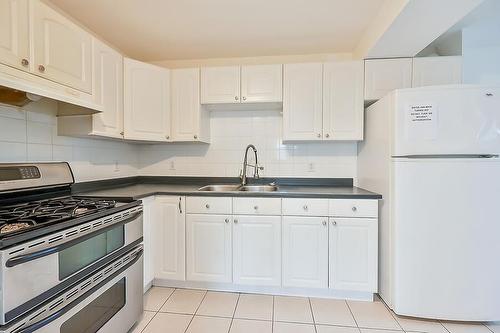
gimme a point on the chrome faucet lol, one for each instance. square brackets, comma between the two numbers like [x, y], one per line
[256, 167]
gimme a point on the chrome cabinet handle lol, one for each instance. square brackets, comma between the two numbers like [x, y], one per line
[25, 62]
[305, 207]
[236, 98]
[327, 135]
[334, 222]
[195, 136]
[354, 209]
[180, 206]
[167, 137]
[226, 220]
[319, 135]
[255, 207]
[207, 206]
[244, 98]
[41, 68]
[235, 221]
[122, 133]
[324, 222]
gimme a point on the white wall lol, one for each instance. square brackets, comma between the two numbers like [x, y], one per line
[231, 132]
[32, 136]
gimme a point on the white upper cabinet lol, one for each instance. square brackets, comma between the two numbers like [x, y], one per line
[385, 75]
[261, 83]
[431, 71]
[107, 90]
[343, 100]
[257, 250]
[353, 254]
[169, 235]
[147, 101]
[209, 248]
[189, 121]
[62, 50]
[305, 252]
[14, 34]
[220, 85]
[302, 101]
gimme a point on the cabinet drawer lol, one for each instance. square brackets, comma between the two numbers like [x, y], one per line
[305, 207]
[354, 208]
[257, 206]
[208, 205]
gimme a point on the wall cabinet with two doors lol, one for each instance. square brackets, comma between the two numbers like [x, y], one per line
[297, 245]
[44, 52]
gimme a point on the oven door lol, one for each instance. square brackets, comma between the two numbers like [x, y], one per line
[108, 301]
[35, 271]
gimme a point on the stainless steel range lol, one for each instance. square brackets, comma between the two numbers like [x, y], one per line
[68, 263]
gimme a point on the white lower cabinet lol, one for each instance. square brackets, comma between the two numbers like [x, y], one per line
[169, 238]
[305, 251]
[209, 248]
[353, 254]
[257, 250]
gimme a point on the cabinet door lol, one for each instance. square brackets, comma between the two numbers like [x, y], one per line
[432, 71]
[353, 254]
[343, 102]
[62, 50]
[257, 250]
[148, 218]
[14, 35]
[302, 101]
[186, 111]
[169, 233]
[107, 90]
[261, 83]
[305, 252]
[208, 244]
[147, 101]
[220, 85]
[384, 75]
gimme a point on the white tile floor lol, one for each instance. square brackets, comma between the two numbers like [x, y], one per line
[168, 310]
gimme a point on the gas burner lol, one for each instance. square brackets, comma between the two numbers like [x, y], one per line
[27, 216]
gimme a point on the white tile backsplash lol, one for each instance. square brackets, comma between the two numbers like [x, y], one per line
[30, 134]
[231, 132]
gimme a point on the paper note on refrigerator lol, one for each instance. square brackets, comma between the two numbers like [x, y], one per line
[422, 121]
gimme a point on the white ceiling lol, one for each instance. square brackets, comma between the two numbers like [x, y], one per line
[153, 30]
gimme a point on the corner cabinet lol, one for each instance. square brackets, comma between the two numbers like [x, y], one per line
[209, 248]
[62, 50]
[169, 238]
[14, 39]
[147, 102]
[189, 121]
[323, 102]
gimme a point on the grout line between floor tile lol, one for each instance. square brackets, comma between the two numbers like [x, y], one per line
[206, 291]
[312, 314]
[352, 314]
[149, 321]
[234, 312]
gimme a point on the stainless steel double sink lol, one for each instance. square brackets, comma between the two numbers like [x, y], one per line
[239, 188]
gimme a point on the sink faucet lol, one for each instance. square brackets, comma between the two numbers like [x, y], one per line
[256, 167]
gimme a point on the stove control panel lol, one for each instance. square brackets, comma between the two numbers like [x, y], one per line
[19, 173]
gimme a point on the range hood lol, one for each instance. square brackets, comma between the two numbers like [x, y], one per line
[23, 88]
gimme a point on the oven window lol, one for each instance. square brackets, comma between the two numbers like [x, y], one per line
[97, 313]
[85, 253]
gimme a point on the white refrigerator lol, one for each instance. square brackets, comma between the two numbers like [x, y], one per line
[433, 154]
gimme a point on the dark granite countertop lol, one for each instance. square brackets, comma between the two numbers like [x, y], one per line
[144, 186]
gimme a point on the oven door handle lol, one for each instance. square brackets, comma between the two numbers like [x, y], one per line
[44, 322]
[23, 258]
